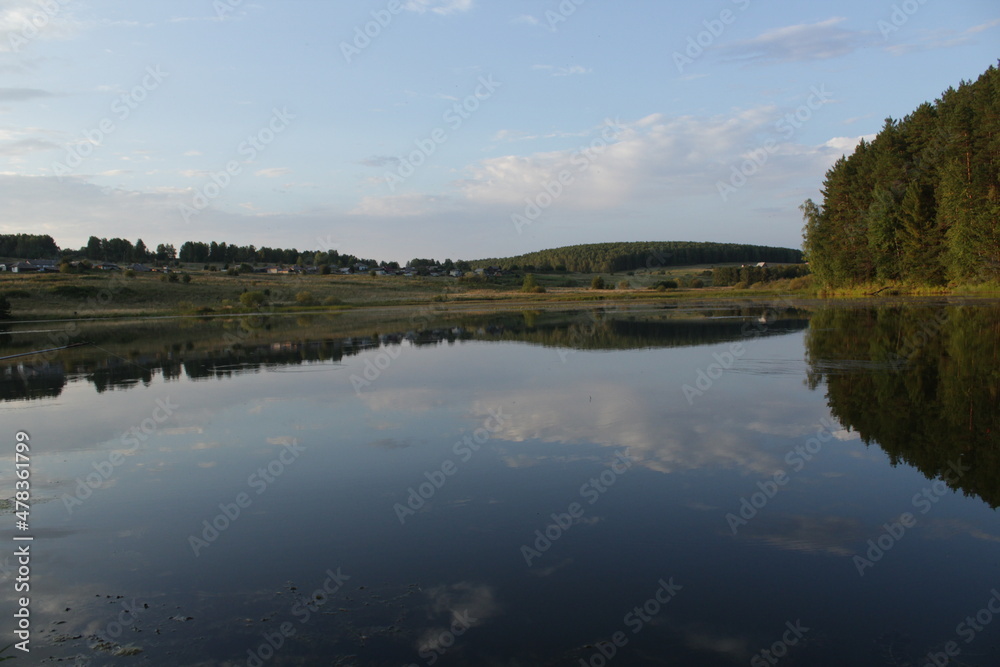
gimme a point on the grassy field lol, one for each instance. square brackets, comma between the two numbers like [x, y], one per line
[113, 294]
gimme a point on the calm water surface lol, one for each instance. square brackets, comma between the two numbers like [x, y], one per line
[724, 486]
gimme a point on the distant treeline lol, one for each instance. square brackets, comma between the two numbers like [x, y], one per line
[920, 203]
[222, 253]
[724, 276]
[119, 250]
[28, 246]
[609, 257]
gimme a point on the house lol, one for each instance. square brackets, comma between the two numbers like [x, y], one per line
[455, 273]
[140, 268]
[45, 265]
[761, 265]
[107, 266]
[24, 267]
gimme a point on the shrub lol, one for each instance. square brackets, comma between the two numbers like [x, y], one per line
[530, 285]
[624, 284]
[803, 282]
[252, 299]
[305, 298]
[597, 283]
[130, 273]
[697, 282]
[186, 278]
[664, 285]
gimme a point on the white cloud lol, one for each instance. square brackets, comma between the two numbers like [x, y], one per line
[23, 21]
[273, 172]
[802, 42]
[397, 206]
[442, 7]
[942, 39]
[553, 70]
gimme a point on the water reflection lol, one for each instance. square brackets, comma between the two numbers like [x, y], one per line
[490, 430]
[921, 382]
[209, 349]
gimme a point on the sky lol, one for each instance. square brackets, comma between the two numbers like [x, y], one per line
[462, 129]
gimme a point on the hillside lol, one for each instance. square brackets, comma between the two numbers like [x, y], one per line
[920, 203]
[608, 257]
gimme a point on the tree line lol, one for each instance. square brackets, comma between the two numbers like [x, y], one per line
[611, 257]
[28, 246]
[724, 276]
[918, 204]
[119, 250]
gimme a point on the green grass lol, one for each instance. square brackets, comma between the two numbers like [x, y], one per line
[106, 295]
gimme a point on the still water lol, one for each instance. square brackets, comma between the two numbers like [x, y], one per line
[638, 486]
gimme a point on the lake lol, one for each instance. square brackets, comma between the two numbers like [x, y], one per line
[722, 484]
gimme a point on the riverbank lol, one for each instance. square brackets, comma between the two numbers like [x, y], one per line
[117, 296]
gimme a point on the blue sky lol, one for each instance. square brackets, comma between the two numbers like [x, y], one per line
[453, 128]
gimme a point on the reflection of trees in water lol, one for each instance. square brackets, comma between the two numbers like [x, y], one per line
[921, 382]
[119, 362]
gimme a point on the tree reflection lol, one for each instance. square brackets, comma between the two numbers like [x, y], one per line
[921, 382]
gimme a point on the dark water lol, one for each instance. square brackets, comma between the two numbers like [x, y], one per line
[729, 486]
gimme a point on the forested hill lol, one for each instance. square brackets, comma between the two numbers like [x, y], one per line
[920, 203]
[598, 257]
